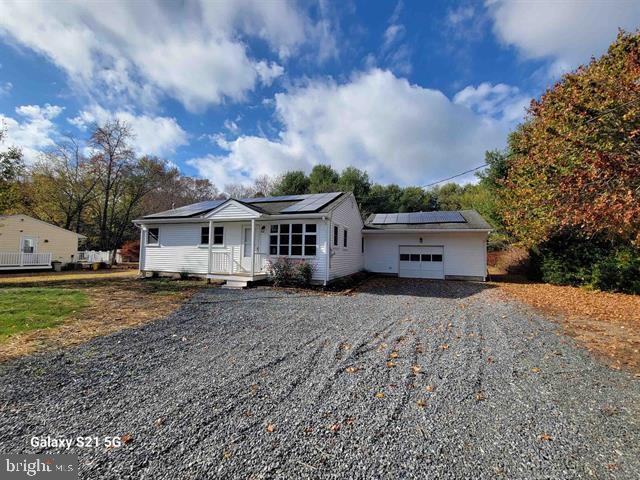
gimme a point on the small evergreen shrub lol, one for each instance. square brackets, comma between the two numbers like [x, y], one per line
[287, 272]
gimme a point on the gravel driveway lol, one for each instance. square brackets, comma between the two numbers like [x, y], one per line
[272, 384]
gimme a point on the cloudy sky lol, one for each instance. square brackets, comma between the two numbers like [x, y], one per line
[411, 91]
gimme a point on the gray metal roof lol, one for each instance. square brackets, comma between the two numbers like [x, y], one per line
[440, 220]
[285, 204]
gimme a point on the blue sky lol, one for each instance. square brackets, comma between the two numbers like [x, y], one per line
[410, 91]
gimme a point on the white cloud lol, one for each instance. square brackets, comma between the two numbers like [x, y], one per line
[5, 88]
[196, 52]
[567, 32]
[397, 131]
[154, 135]
[33, 130]
[500, 101]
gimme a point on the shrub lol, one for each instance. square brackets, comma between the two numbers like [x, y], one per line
[288, 272]
[569, 258]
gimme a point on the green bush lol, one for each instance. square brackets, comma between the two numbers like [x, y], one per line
[571, 259]
[286, 272]
[619, 272]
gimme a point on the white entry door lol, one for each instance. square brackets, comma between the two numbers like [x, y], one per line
[417, 261]
[246, 249]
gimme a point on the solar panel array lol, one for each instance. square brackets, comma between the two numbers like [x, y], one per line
[418, 217]
[188, 210]
[312, 203]
[283, 198]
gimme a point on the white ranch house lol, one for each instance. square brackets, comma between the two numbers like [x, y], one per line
[234, 239]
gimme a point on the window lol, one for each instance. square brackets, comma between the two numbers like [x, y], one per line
[335, 235]
[218, 235]
[344, 239]
[436, 257]
[415, 257]
[295, 239]
[153, 235]
[404, 257]
[204, 236]
[426, 257]
[362, 246]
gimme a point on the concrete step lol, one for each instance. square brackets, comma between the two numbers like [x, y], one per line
[235, 284]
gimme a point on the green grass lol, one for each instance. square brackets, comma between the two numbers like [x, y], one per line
[25, 309]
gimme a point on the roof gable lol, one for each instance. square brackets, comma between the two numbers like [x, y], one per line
[233, 209]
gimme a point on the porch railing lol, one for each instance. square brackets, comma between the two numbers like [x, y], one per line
[93, 256]
[21, 259]
[226, 262]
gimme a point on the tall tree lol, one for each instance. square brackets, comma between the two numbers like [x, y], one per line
[113, 160]
[575, 161]
[356, 181]
[11, 171]
[416, 199]
[294, 182]
[323, 179]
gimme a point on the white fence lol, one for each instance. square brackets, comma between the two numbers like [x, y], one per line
[20, 259]
[93, 256]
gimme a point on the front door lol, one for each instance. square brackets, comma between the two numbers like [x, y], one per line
[246, 249]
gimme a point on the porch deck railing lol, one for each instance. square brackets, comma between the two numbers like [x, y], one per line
[93, 256]
[20, 259]
[229, 262]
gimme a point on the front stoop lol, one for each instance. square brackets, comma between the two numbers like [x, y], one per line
[235, 284]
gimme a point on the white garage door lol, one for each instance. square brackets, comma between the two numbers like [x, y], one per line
[421, 262]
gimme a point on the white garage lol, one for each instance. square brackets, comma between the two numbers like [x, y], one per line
[437, 245]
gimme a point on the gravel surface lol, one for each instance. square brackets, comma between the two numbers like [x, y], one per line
[274, 384]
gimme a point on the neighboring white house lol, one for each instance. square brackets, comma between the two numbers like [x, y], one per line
[233, 240]
[29, 243]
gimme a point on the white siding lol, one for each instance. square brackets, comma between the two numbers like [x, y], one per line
[345, 261]
[179, 249]
[319, 261]
[464, 252]
[233, 210]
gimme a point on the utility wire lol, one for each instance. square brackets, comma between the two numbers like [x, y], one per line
[601, 114]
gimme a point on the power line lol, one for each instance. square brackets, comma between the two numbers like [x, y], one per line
[601, 114]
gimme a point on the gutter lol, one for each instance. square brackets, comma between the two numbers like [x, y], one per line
[154, 221]
[420, 230]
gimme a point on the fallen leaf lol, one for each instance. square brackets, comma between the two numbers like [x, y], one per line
[335, 428]
[421, 403]
[429, 388]
[351, 369]
[379, 395]
[159, 421]
[390, 364]
[489, 359]
[535, 370]
[480, 396]
[126, 438]
[545, 437]
[444, 346]
[350, 420]
[416, 369]
[226, 455]
[393, 355]
[271, 428]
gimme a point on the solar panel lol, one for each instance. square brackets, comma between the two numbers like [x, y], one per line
[282, 198]
[312, 203]
[418, 217]
[188, 210]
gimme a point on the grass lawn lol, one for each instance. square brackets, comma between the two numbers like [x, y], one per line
[24, 309]
[54, 311]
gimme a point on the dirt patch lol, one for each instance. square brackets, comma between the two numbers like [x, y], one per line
[607, 324]
[115, 304]
[39, 277]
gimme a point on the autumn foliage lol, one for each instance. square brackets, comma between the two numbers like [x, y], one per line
[575, 161]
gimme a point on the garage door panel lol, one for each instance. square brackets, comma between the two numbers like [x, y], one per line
[421, 261]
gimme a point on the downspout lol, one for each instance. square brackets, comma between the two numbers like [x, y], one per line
[209, 248]
[328, 255]
[143, 251]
